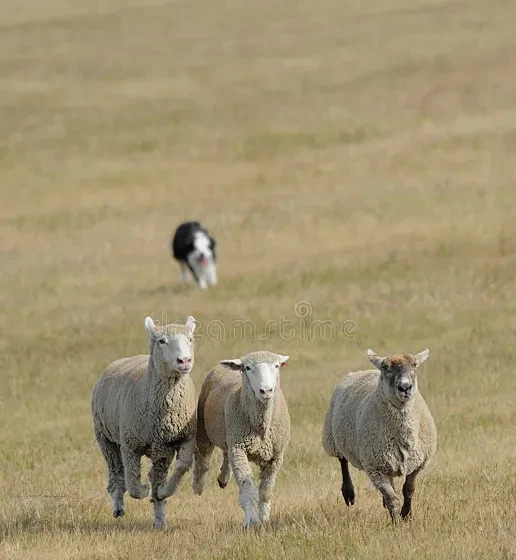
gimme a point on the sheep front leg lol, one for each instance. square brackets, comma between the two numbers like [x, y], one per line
[157, 477]
[408, 492]
[268, 475]
[246, 487]
[183, 463]
[132, 470]
[384, 484]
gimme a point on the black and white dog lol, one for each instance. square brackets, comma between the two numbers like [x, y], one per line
[194, 248]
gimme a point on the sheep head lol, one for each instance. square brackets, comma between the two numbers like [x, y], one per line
[172, 344]
[399, 374]
[260, 371]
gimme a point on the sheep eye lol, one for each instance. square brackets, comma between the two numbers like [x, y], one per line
[162, 341]
[247, 368]
[277, 366]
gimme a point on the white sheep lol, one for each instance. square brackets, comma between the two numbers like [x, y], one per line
[380, 423]
[245, 414]
[145, 405]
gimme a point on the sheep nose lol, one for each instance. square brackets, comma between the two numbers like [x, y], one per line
[267, 393]
[404, 387]
[184, 361]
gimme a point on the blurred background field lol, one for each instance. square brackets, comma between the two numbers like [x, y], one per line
[359, 157]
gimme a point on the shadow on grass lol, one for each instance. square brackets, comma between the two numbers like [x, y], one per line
[32, 523]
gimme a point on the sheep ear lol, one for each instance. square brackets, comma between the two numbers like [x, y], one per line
[282, 360]
[374, 359]
[190, 323]
[421, 357]
[149, 327]
[232, 364]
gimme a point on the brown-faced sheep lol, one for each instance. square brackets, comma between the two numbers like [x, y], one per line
[380, 423]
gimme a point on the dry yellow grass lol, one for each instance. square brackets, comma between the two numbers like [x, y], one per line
[357, 156]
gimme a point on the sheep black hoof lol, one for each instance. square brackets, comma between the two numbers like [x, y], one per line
[405, 512]
[349, 496]
[222, 484]
[118, 513]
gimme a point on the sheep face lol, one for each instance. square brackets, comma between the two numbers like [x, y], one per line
[177, 352]
[173, 344]
[398, 374]
[260, 371]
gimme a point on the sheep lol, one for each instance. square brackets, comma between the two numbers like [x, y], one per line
[245, 414]
[380, 423]
[146, 405]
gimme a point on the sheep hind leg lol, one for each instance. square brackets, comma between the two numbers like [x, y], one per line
[116, 483]
[348, 491]
[384, 503]
[202, 459]
[157, 476]
[383, 483]
[408, 492]
[225, 471]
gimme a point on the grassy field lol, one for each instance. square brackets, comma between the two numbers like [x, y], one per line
[356, 163]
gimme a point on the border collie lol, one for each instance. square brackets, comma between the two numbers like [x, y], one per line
[194, 248]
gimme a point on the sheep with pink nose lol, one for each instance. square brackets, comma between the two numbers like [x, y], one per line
[244, 413]
[145, 405]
